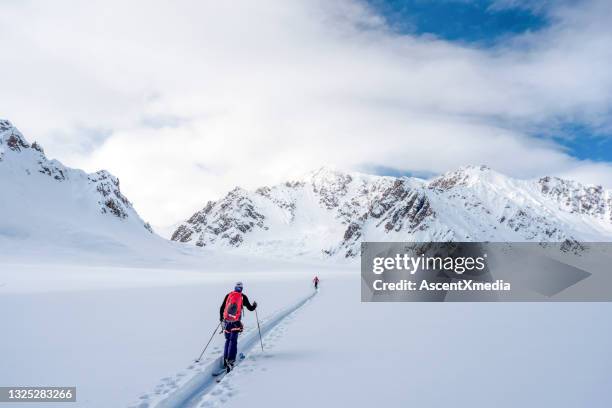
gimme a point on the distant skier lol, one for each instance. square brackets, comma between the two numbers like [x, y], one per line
[230, 314]
[316, 282]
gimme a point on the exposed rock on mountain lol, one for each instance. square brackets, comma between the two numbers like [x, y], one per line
[45, 200]
[329, 212]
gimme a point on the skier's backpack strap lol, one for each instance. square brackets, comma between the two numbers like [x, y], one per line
[233, 307]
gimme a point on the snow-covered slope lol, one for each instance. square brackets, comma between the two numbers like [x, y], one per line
[329, 212]
[46, 204]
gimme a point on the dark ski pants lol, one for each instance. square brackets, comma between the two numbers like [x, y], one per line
[232, 330]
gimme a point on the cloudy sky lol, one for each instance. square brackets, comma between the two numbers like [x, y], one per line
[183, 100]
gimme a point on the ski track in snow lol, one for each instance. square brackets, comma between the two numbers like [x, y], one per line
[195, 387]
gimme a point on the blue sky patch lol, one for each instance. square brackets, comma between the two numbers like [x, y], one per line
[473, 21]
[582, 142]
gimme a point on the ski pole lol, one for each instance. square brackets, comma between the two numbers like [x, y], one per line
[211, 337]
[259, 329]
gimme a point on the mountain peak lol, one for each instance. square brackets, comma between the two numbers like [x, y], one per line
[332, 211]
[463, 176]
[11, 137]
[27, 167]
[6, 125]
[474, 169]
[328, 173]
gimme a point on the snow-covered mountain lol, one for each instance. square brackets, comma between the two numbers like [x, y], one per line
[44, 203]
[329, 212]
[326, 213]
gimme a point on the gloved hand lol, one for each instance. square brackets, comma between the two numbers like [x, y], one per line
[221, 319]
[254, 305]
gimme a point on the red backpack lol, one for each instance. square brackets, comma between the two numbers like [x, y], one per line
[233, 307]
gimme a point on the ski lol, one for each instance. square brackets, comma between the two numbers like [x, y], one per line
[218, 373]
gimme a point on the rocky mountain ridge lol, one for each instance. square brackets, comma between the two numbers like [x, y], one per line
[329, 212]
[44, 198]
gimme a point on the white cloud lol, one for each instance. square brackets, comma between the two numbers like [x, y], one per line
[184, 100]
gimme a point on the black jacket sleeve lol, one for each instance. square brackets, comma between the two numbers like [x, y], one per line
[246, 303]
[222, 309]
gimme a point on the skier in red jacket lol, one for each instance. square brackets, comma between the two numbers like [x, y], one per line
[230, 314]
